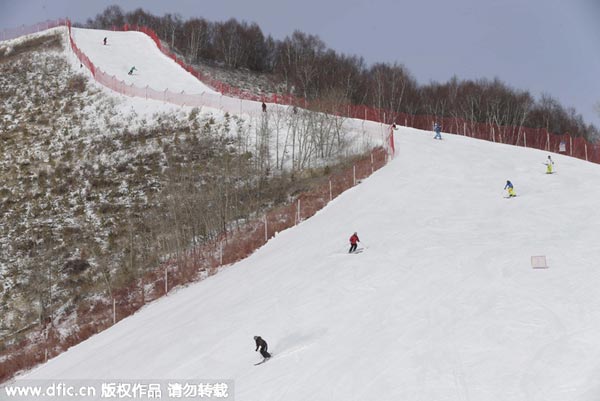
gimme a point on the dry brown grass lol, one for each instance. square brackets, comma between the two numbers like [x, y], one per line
[48, 42]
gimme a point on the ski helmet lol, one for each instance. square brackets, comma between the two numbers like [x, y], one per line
[256, 337]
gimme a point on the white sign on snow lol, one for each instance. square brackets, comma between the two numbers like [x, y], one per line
[539, 262]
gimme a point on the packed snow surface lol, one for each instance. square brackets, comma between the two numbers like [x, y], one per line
[442, 304]
[135, 49]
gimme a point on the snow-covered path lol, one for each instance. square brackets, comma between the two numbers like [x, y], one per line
[128, 49]
[441, 305]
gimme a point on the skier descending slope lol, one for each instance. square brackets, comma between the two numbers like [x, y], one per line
[438, 131]
[511, 190]
[549, 165]
[353, 242]
[262, 345]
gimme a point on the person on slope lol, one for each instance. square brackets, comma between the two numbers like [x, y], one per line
[510, 188]
[262, 345]
[438, 131]
[353, 242]
[264, 107]
[132, 70]
[549, 165]
[104, 41]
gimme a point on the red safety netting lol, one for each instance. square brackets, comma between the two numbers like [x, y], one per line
[13, 33]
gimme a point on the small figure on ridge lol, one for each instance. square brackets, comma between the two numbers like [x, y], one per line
[438, 129]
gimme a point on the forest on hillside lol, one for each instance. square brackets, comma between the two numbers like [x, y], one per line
[305, 67]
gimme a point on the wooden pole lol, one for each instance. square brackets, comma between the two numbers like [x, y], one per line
[571, 145]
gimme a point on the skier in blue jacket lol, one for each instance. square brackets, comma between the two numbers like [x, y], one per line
[438, 130]
[511, 190]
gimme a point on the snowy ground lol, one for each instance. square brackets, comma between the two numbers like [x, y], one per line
[442, 304]
[128, 49]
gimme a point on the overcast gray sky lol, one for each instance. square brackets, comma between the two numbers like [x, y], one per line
[550, 46]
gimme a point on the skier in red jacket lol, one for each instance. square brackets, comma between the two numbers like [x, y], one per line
[353, 240]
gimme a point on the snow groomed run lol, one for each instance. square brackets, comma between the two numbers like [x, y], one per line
[443, 303]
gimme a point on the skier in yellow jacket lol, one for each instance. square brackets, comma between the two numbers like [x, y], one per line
[549, 165]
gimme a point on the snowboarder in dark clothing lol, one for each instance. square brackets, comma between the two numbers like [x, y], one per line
[132, 70]
[262, 345]
[104, 41]
[264, 107]
[353, 242]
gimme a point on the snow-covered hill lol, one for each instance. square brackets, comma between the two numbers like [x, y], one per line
[124, 50]
[78, 160]
[442, 304]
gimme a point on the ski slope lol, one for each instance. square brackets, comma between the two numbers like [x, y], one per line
[127, 49]
[159, 72]
[442, 304]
